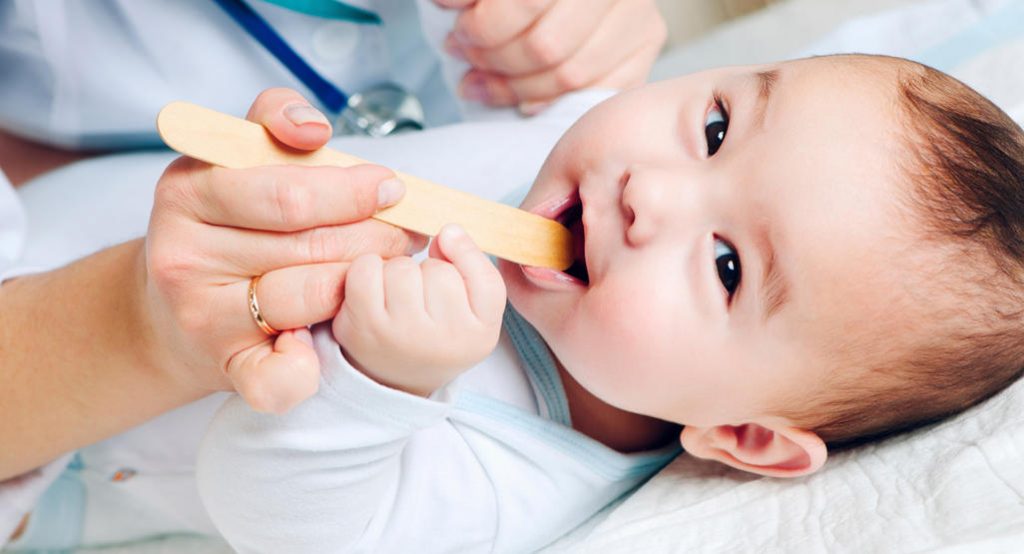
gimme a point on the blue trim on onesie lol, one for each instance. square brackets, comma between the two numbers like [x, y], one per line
[540, 365]
[611, 464]
[557, 428]
[56, 521]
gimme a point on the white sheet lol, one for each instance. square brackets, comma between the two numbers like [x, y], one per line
[954, 487]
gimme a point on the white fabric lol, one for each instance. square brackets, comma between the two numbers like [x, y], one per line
[956, 487]
[19, 494]
[84, 207]
[12, 226]
[364, 468]
[96, 73]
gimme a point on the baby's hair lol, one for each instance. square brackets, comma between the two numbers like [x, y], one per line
[965, 165]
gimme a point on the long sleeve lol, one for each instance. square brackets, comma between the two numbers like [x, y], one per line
[332, 474]
[12, 226]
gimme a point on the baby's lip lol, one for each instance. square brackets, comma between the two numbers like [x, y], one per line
[553, 209]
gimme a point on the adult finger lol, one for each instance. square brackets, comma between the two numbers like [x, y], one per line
[604, 52]
[278, 198]
[287, 298]
[278, 374]
[630, 73]
[290, 118]
[239, 252]
[299, 296]
[490, 23]
[484, 286]
[551, 40]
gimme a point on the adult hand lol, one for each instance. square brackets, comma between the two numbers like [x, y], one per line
[529, 52]
[213, 229]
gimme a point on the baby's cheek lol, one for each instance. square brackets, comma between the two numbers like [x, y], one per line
[611, 357]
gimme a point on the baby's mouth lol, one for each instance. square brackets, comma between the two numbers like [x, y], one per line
[572, 218]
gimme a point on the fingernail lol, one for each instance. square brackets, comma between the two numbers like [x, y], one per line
[454, 49]
[301, 114]
[389, 192]
[474, 87]
[452, 232]
[532, 108]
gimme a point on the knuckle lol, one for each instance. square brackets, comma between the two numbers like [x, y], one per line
[289, 201]
[544, 49]
[569, 76]
[319, 290]
[318, 244]
[401, 266]
[175, 187]
[470, 25]
[363, 199]
[169, 267]
[434, 266]
[387, 240]
[258, 396]
[363, 266]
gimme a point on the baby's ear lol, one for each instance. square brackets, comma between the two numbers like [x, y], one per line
[765, 449]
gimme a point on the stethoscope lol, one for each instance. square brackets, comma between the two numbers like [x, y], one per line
[383, 110]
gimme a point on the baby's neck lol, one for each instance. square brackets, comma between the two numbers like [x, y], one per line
[624, 431]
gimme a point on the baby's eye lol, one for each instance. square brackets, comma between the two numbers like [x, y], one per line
[727, 262]
[715, 127]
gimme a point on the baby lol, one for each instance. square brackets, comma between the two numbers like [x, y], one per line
[780, 259]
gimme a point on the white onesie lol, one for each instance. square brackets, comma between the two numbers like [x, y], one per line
[488, 464]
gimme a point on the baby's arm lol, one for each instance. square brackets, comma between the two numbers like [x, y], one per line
[415, 327]
[359, 466]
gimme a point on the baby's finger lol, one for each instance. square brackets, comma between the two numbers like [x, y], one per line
[403, 289]
[278, 374]
[445, 294]
[364, 289]
[484, 285]
[290, 118]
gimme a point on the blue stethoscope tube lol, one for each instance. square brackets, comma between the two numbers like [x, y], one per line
[332, 98]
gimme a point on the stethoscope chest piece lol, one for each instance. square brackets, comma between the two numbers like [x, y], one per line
[383, 110]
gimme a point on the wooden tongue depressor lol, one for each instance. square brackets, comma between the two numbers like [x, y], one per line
[504, 231]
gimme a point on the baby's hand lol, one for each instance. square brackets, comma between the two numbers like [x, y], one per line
[415, 327]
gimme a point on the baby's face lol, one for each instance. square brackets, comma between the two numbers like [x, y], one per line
[739, 223]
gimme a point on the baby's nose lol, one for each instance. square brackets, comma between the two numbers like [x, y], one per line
[650, 199]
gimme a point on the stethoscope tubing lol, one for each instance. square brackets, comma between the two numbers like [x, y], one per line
[331, 97]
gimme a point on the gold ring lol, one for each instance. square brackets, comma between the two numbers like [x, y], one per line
[254, 309]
